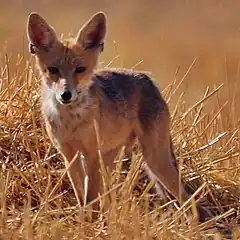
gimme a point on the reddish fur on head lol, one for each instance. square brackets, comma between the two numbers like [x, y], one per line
[67, 55]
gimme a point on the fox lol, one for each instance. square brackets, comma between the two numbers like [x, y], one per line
[125, 104]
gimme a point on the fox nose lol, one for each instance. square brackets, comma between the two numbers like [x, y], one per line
[66, 96]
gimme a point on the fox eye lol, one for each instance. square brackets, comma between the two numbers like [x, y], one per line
[80, 69]
[53, 70]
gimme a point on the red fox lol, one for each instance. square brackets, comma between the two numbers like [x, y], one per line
[125, 104]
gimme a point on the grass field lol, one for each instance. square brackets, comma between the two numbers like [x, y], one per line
[36, 199]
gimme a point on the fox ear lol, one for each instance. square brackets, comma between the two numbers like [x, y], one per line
[92, 34]
[40, 34]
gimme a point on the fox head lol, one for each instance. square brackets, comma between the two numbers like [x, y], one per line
[66, 65]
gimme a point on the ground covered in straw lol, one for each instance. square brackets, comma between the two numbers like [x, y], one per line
[37, 201]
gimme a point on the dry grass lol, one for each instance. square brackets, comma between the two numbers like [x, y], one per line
[36, 198]
[37, 201]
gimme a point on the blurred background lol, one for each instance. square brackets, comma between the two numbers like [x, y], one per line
[159, 36]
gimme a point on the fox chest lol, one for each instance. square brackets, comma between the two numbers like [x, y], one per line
[71, 124]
